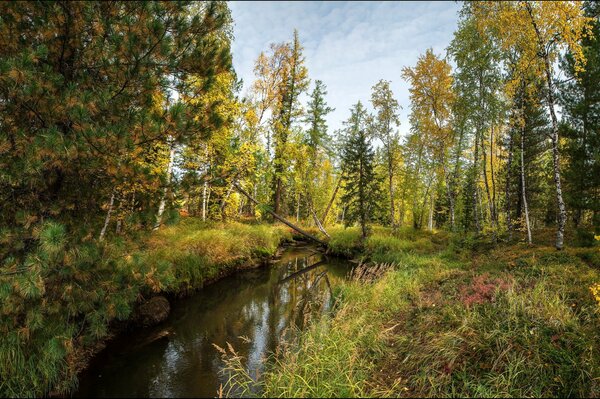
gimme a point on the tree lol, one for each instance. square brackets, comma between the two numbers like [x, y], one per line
[317, 137]
[431, 98]
[287, 110]
[361, 187]
[580, 101]
[478, 82]
[318, 142]
[81, 88]
[384, 125]
[538, 31]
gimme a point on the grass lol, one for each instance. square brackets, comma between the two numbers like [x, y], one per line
[455, 317]
[59, 302]
[197, 252]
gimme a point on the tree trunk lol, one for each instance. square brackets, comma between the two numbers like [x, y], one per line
[225, 198]
[315, 217]
[449, 192]
[430, 224]
[119, 217]
[107, 218]
[163, 200]
[298, 207]
[475, 183]
[493, 178]
[562, 213]
[337, 187]
[507, 187]
[523, 190]
[204, 199]
[487, 186]
[277, 194]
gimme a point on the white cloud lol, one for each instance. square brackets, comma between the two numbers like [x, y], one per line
[348, 45]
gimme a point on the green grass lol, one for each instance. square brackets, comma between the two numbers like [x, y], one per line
[62, 298]
[197, 252]
[449, 320]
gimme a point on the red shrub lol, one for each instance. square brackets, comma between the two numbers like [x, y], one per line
[482, 289]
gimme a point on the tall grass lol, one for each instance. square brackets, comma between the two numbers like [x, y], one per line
[531, 328]
[197, 251]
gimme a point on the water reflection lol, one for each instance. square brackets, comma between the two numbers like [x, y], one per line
[251, 310]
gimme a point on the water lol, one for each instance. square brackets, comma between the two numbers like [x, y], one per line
[251, 310]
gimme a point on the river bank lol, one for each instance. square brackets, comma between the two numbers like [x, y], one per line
[89, 290]
[198, 254]
[456, 316]
[251, 310]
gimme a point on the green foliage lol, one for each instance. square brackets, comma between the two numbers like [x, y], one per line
[86, 106]
[195, 252]
[315, 117]
[344, 241]
[580, 100]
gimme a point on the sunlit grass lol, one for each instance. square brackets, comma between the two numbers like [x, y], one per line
[197, 251]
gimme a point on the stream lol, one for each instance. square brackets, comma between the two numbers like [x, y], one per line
[252, 310]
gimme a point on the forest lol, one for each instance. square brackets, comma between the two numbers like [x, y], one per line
[135, 164]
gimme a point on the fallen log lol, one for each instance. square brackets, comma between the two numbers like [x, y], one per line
[280, 218]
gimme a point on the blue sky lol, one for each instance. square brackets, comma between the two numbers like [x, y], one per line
[348, 45]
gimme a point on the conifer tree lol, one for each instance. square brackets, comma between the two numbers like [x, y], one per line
[317, 137]
[580, 99]
[361, 190]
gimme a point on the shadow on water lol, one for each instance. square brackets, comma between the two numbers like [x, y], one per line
[251, 310]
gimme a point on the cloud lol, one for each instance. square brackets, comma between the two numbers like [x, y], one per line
[350, 46]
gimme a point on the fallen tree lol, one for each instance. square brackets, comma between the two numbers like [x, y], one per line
[280, 218]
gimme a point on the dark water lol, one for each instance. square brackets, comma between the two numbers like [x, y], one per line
[251, 310]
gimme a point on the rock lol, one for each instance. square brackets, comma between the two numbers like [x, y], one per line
[153, 311]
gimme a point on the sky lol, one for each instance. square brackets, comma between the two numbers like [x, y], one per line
[350, 46]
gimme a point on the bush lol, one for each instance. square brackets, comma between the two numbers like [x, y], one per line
[584, 238]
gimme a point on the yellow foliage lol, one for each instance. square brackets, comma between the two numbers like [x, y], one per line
[596, 292]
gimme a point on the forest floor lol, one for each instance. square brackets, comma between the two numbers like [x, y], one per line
[455, 317]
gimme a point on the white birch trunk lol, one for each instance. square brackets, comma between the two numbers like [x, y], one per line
[163, 200]
[107, 219]
[525, 207]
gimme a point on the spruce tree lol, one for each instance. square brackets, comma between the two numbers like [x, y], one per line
[580, 99]
[317, 110]
[361, 191]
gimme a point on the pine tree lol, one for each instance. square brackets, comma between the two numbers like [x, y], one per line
[84, 104]
[317, 137]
